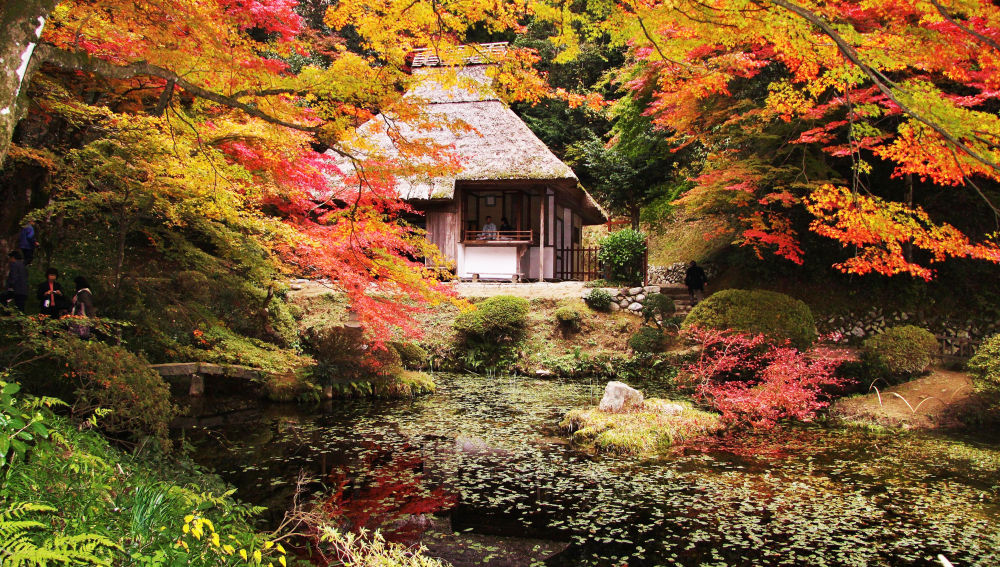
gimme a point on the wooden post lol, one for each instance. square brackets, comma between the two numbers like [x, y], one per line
[541, 238]
[197, 385]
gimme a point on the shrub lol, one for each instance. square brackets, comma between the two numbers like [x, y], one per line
[658, 308]
[900, 352]
[503, 318]
[647, 340]
[775, 315]
[112, 378]
[337, 350]
[412, 354]
[985, 364]
[568, 318]
[492, 333]
[774, 384]
[599, 299]
[622, 253]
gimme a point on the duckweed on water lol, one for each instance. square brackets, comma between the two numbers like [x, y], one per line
[491, 450]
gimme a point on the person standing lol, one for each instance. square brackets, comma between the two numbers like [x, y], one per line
[27, 241]
[50, 294]
[695, 280]
[17, 280]
[83, 299]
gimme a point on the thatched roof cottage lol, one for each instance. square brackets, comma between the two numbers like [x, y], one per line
[514, 210]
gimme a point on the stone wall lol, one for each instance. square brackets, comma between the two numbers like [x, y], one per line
[674, 273]
[955, 336]
[627, 298]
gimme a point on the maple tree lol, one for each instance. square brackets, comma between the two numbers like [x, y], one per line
[208, 119]
[911, 83]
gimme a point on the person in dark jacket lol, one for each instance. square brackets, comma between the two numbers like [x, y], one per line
[17, 281]
[695, 280]
[50, 295]
[83, 299]
[27, 241]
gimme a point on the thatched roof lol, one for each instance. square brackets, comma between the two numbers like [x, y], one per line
[489, 140]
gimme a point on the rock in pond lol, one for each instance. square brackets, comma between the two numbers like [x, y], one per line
[619, 396]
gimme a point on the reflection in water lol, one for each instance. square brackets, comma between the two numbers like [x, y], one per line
[486, 454]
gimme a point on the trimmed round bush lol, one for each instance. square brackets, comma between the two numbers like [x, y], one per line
[412, 354]
[621, 253]
[647, 340]
[900, 351]
[777, 316]
[568, 318]
[599, 299]
[985, 364]
[502, 318]
[657, 307]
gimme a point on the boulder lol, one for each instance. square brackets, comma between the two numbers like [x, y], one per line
[624, 303]
[635, 291]
[641, 297]
[635, 307]
[651, 289]
[619, 397]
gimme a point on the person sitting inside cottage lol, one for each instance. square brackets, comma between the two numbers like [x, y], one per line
[505, 228]
[489, 230]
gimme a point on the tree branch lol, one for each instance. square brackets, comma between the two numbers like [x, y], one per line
[852, 55]
[944, 14]
[84, 62]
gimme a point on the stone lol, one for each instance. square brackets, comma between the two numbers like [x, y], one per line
[858, 332]
[641, 297]
[615, 307]
[635, 291]
[635, 307]
[295, 286]
[543, 373]
[619, 397]
[651, 289]
[671, 409]
[623, 303]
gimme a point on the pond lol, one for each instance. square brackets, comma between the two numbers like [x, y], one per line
[483, 457]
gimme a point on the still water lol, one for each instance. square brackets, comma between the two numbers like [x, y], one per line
[485, 456]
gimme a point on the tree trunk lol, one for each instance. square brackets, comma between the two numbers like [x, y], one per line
[908, 246]
[21, 23]
[635, 211]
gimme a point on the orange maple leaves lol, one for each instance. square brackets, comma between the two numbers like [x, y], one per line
[881, 231]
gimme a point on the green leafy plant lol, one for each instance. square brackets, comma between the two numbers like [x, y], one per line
[22, 423]
[985, 364]
[26, 541]
[622, 255]
[599, 299]
[658, 309]
[492, 332]
[568, 318]
[113, 378]
[899, 353]
[777, 316]
[647, 340]
[411, 354]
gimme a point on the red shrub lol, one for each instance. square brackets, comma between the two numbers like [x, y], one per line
[754, 384]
